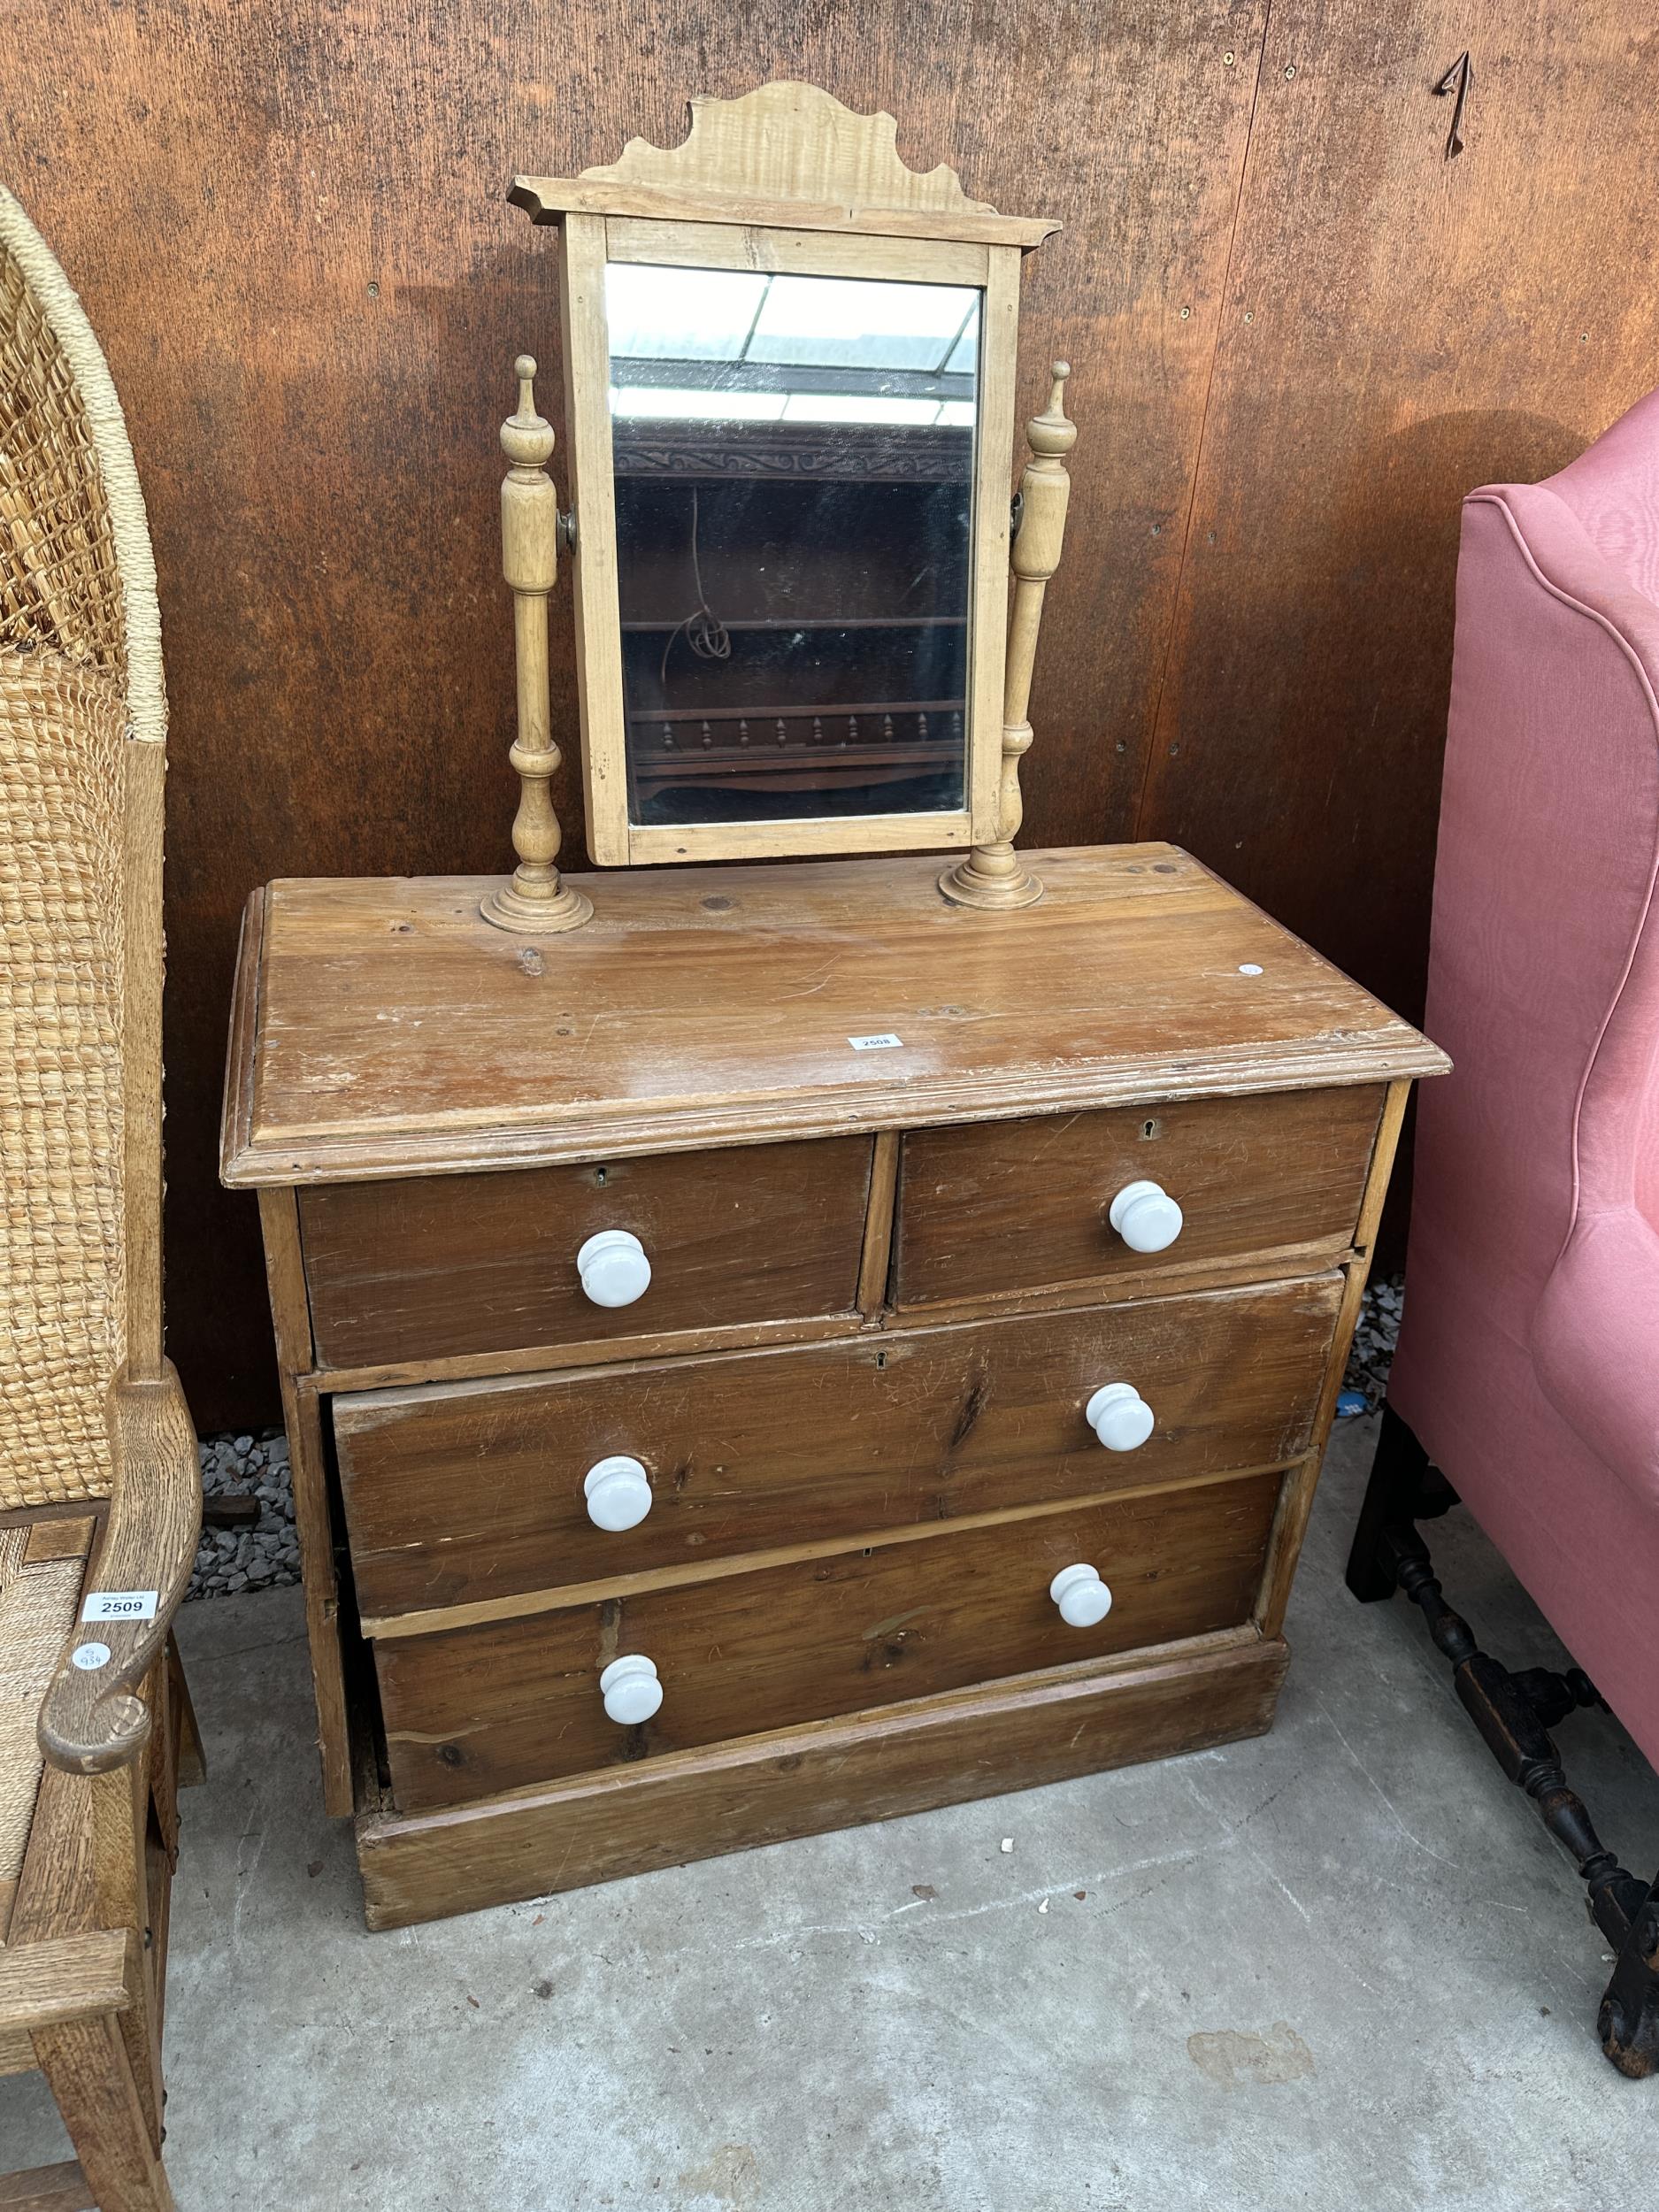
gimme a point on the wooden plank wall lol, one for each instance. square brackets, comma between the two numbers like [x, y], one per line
[1300, 334]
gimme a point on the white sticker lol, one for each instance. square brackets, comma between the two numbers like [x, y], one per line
[90, 1657]
[120, 1605]
[884, 1042]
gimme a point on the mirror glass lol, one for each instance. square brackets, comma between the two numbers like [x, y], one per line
[793, 460]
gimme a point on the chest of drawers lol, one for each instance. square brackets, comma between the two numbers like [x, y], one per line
[793, 1351]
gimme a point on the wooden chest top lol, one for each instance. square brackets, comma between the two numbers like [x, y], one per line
[382, 1028]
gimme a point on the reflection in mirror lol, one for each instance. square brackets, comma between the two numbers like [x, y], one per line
[793, 459]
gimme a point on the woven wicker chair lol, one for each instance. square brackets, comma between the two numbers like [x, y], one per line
[97, 1456]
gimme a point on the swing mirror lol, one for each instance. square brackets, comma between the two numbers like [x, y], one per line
[792, 461]
[789, 368]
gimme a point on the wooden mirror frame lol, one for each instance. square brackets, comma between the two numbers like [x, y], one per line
[783, 179]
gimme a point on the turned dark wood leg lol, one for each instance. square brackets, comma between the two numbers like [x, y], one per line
[1404, 1487]
[1628, 2023]
[1513, 1713]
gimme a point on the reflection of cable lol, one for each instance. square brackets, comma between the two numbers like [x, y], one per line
[704, 632]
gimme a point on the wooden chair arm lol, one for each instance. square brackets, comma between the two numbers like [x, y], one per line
[89, 1721]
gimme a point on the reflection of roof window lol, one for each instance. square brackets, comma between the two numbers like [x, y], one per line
[840, 322]
[726, 344]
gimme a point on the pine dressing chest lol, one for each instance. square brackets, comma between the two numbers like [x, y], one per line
[772, 1346]
[822, 1470]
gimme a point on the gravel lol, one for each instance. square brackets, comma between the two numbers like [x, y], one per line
[1374, 1339]
[268, 1553]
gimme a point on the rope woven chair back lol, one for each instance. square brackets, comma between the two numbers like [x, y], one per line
[82, 740]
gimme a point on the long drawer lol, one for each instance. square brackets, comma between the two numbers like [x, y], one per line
[461, 1493]
[478, 1263]
[473, 1711]
[995, 1207]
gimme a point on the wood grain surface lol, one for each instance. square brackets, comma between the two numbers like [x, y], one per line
[98, 2094]
[93, 1722]
[462, 1493]
[290, 231]
[1016, 1205]
[1396, 329]
[486, 1263]
[1075, 1719]
[396, 1032]
[784, 142]
[288, 228]
[1295, 1500]
[62, 2187]
[42, 1984]
[480, 1711]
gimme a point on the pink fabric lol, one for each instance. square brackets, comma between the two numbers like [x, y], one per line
[1612, 490]
[1595, 1339]
[1529, 1360]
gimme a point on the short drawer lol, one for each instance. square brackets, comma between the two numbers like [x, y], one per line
[477, 1263]
[470, 1712]
[1024, 1205]
[457, 1494]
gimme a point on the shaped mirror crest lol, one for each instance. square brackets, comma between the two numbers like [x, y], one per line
[790, 363]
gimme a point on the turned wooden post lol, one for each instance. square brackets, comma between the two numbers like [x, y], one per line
[993, 875]
[535, 898]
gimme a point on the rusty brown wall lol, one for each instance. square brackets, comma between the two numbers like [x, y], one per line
[1300, 333]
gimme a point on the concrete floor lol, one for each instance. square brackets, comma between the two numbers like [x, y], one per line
[1338, 1966]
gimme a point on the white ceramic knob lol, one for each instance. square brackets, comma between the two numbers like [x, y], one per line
[1145, 1217]
[1082, 1597]
[1120, 1416]
[613, 1268]
[618, 1491]
[631, 1690]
